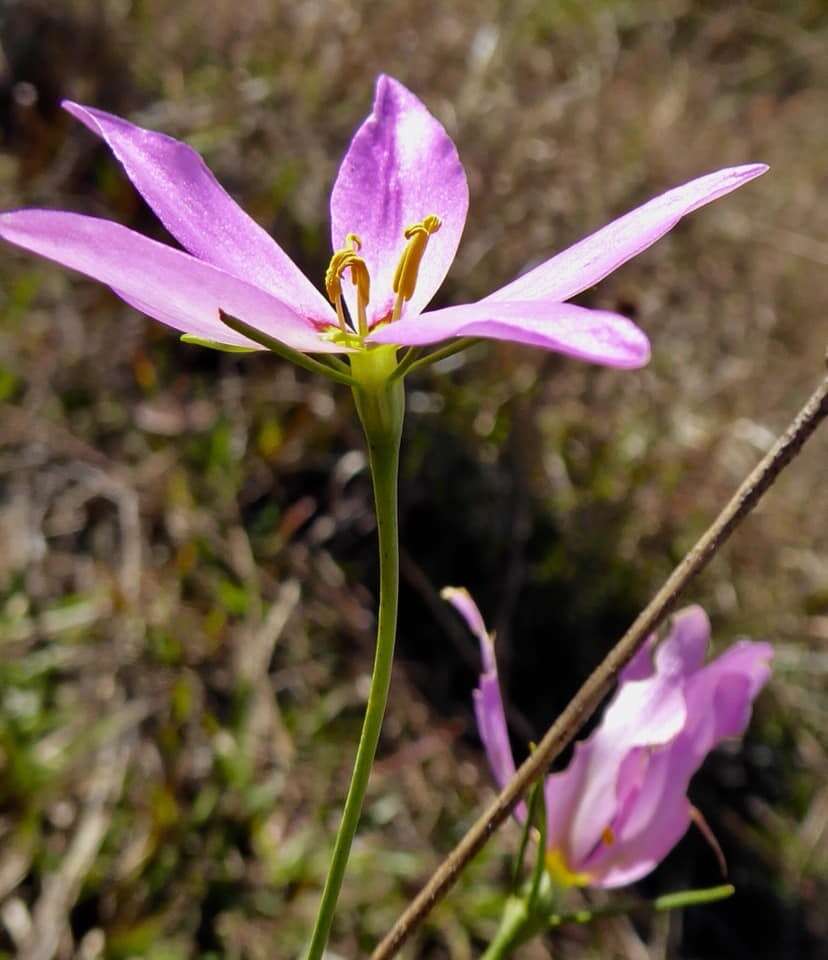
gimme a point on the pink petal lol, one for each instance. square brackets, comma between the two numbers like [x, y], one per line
[461, 600]
[401, 166]
[650, 712]
[167, 284]
[488, 700]
[562, 792]
[493, 730]
[683, 650]
[593, 335]
[718, 697]
[598, 255]
[192, 205]
[641, 666]
[658, 820]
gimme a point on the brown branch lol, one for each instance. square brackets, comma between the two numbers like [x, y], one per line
[587, 699]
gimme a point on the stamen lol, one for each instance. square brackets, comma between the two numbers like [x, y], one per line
[405, 277]
[341, 261]
[608, 836]
[559, 871]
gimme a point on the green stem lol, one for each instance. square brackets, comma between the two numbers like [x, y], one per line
[380, 405]
[511, 931]
[525, 834]
[538, 870]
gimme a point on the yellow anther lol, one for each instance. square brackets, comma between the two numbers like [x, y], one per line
[405, 277]
[608, 836]
[559, 871]
[342, 260]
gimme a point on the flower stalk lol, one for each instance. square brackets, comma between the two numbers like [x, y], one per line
[380, 404]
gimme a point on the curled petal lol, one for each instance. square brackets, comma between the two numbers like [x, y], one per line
[593, 335]
[488, 700]
[165, 283]
[461, 600]
[193, 206]
[400, 168]
[590, 260]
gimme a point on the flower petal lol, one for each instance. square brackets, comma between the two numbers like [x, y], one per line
[593, 335]
[193, 206]
[491, 724]
[659, 818]
[562, 793]
[461, 600]
[719, 699]
[598, 255]
[641, 666]
[720, 696]
[401, 166]
[488, 700]
[168, 284]
[651, 713]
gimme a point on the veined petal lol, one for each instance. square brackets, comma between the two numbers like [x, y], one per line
[593, 335]
[598, 255]
[168, 284]
[198, 212]
[401, 166]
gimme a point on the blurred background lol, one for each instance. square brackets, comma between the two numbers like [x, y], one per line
[187, 570]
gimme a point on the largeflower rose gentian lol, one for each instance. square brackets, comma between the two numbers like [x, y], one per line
[398, 208]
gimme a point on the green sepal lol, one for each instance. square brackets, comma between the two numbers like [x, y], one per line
[215, 345]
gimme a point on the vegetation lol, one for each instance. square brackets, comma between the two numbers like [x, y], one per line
[187, 571]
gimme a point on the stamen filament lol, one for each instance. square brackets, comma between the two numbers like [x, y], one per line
[340, 313]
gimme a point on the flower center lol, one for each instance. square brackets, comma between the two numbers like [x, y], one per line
[404, 283]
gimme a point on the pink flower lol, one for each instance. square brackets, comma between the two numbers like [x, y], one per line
[398, 208]
[621, 805]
